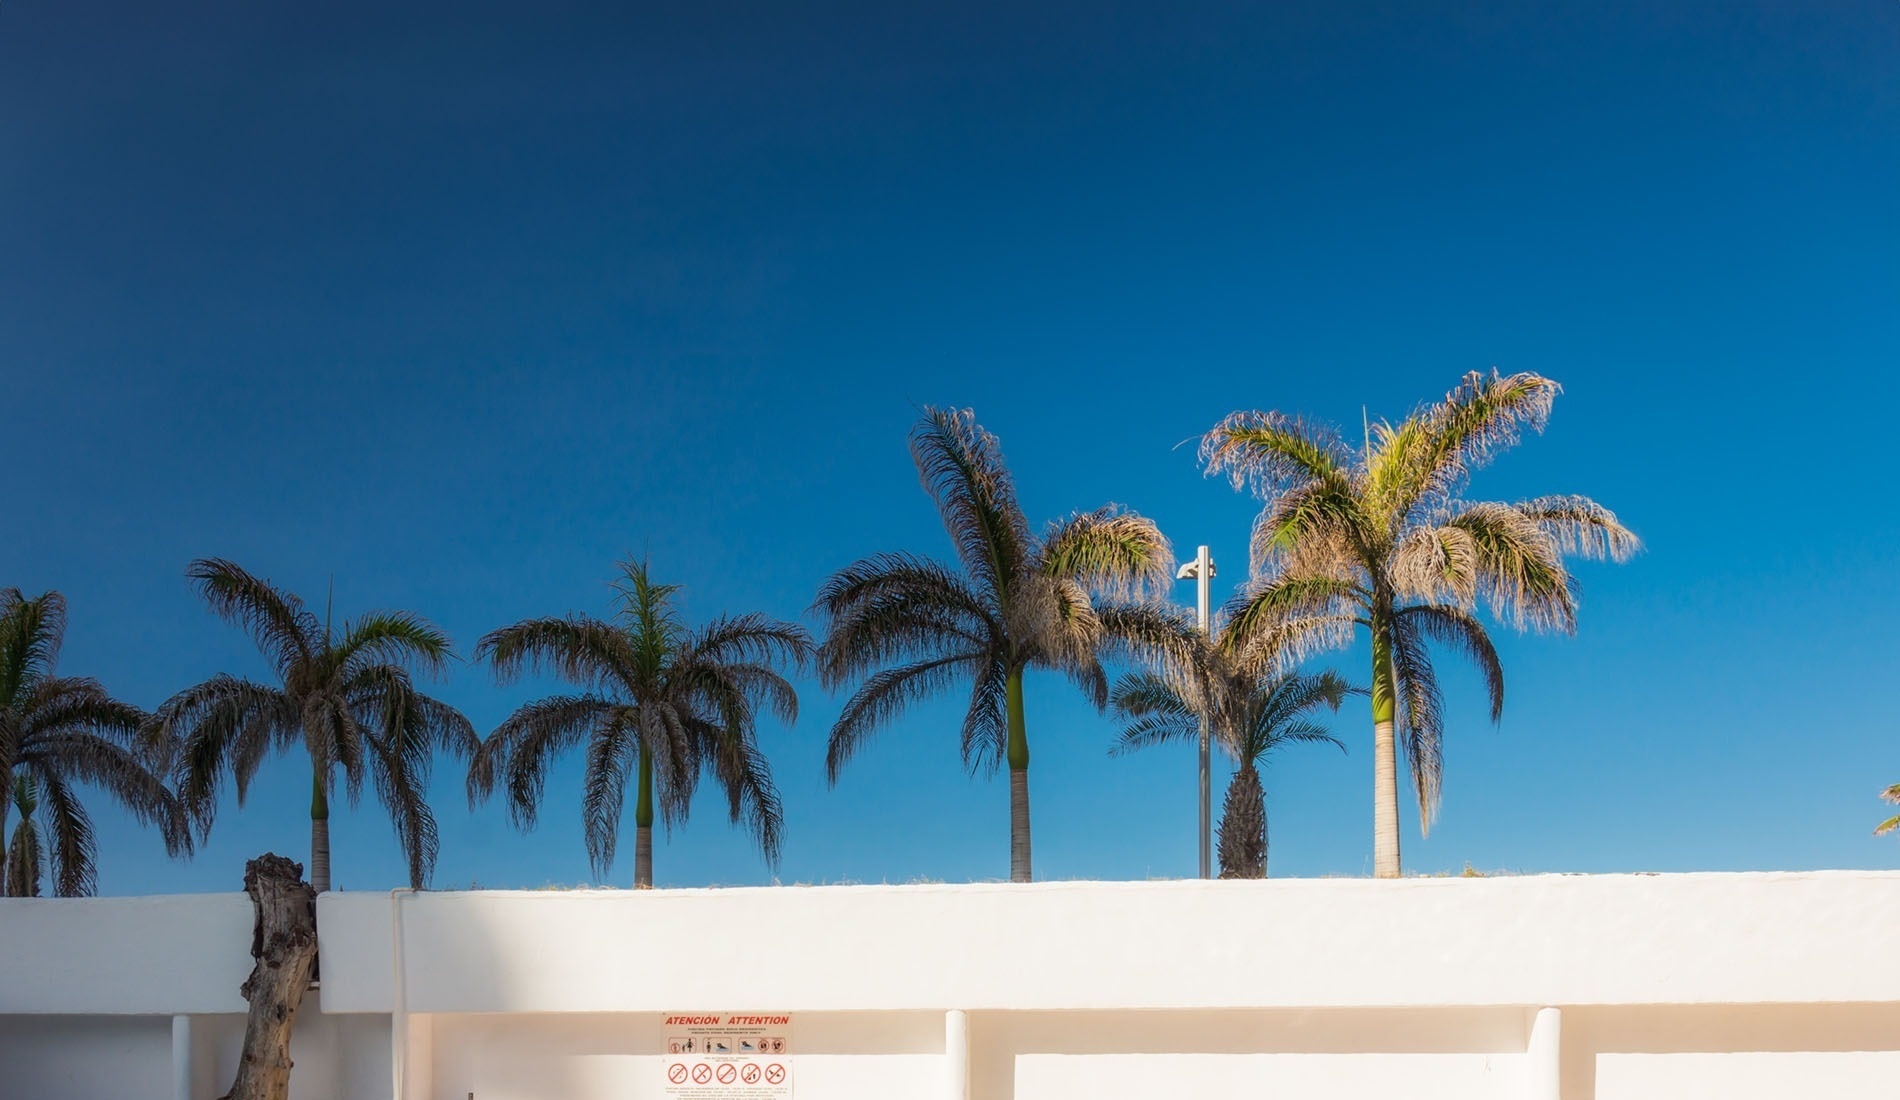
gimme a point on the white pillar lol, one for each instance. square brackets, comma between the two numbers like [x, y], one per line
[956, 1054]
[181, 1058]
[1543, 1066]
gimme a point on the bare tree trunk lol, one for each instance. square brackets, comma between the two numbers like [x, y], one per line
[284, 943]
[1018, 753]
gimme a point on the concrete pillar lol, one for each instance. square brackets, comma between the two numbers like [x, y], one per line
[1543, 1064]
[181, 1058]
[956, 1054]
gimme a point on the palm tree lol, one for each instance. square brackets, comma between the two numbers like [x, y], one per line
[659, 702]
[1250, 713]
[1891, 794]
[24, 854]
[908, 627]
[1379, 538]
[56, 731]
[344, 694]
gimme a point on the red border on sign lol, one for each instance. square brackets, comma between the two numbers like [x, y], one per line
[676, 1073]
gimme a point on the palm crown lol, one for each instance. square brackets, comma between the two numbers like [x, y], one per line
[345, 695]
[660, 703]
[58, 731]
[1250, 712]
[1380, 538]
[904, 628]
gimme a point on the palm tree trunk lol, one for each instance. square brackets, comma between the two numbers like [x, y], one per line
[1243, 827]
[1018, 752]
[319, 834]
[643, 825]
[1385, 769]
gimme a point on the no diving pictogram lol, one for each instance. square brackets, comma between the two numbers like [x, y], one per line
[775, 1074]
[727, 1072]
[750, 1074]
[676, 1073]
[702, 1073]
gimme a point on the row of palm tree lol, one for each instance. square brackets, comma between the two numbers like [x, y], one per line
[1376, 537]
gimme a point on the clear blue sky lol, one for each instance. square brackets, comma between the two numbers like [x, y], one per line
[459, 305]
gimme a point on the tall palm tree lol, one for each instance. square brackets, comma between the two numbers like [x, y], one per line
[908, 627]
[25, 855]
[659, 703]
[1380, 538]
[57, 731]
[1250, 713]
[344, 694]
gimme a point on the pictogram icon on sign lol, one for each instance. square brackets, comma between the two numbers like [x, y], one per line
[676, 1073]
[775, 1074]
[702, 1073]
[727, 1072]
[750, 1074]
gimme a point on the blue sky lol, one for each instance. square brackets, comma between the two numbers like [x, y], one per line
[461, 303]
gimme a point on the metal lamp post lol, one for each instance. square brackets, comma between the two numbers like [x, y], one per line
[1201, 570]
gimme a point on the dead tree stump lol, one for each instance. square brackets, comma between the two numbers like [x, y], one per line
[284, 943]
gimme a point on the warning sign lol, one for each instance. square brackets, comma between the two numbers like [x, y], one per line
[728, 1056]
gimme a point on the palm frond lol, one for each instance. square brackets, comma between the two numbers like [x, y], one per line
[884, 695]
[1520, 571]
[1110, 550]
[1156, 710]
[1458, 628]
[522, 749]
[1421, 722]
[613, 750]
[1583, 527]
[1433, 455]
[287, 634]
[897, 607]
[393, 637]
[399, 765]
[72, 851]
[31, 632]
[1271, 452]
[962, 468]
[985, 733]
[585, 652]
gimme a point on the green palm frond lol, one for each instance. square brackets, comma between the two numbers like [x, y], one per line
[396, 638]
[1432, 455]
[1891, 794]
[1519, 569]
[1110, 550]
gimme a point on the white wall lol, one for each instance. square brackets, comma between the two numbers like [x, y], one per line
[1681, 986]
[1552, 939]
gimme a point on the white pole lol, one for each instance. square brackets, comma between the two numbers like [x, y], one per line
[1543, 1061]
[956, 1054]
[181, 1058]
[1204, 572]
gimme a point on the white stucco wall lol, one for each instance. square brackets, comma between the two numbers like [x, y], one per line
[1745, 987]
